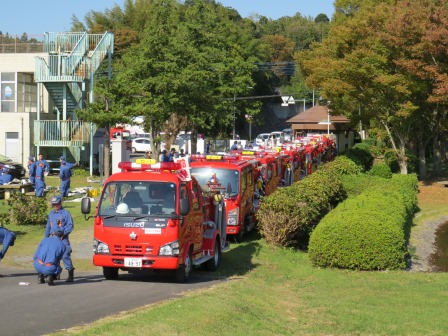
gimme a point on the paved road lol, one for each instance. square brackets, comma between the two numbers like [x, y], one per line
[40, 309]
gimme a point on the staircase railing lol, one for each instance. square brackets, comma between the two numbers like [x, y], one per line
[56, 68]
[62, 133]
[103, 47]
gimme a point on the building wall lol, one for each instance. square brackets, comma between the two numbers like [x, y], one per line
[18, 62]
[20, 121]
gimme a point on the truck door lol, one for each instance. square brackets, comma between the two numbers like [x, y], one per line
[192, 226]
[196, 211]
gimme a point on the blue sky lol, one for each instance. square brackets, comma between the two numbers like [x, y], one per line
[36, 17]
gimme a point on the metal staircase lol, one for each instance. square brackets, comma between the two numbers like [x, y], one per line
[67, 74]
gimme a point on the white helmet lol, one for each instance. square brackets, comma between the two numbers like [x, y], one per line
[122, 208]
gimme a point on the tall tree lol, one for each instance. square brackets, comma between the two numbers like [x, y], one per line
[374, 60]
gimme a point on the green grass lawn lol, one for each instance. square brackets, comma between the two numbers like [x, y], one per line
[272, 291]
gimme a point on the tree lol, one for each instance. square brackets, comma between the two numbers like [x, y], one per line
[368, 63]
[321, 18]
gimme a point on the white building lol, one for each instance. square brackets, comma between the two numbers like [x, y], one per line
[42, 84]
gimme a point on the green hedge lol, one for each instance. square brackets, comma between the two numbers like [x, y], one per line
[286, 217]
[361, 155]
[382, 170]
[342, 165]
[356, 184]
[369, 231]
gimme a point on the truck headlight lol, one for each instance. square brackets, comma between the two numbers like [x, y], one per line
[170, 249]
[99, 247]
[232, 217]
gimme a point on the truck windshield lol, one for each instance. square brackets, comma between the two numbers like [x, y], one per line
[134, 198]
[224, 180]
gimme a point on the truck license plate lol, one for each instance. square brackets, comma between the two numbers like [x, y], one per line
[132, 262]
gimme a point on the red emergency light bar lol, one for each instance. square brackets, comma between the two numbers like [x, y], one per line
[132, 166]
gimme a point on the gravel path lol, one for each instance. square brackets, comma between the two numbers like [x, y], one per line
[423, 241]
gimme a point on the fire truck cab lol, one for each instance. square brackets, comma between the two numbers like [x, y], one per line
[153, 216]
[233, 178]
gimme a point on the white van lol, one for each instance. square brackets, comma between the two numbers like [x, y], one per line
[261, 139]
[288, 134]
[277, 138]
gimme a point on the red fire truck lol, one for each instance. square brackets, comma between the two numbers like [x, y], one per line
[154, 216]
[233, 178]
[120, 132]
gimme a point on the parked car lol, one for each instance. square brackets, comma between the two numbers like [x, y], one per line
[16, 169]
[261, 139]
[140, 145]
[288, 134]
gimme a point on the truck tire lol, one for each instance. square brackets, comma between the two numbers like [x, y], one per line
[213, 264]
[110, 273]
[184, 271]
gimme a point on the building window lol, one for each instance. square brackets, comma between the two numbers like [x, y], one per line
[8, 91]
[26, 93]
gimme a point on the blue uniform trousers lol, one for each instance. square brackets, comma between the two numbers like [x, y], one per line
[66, 258]
[47, 270]
[64, 187]
[39, 185]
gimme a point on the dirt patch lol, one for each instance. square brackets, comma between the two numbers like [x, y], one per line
[423, 236]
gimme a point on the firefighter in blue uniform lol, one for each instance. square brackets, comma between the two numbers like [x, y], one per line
[6, 177]
[64, 174]
[60, 217]
[47, 258]
[32, 165]
[39, 182]
[7, 239]
[46, 165]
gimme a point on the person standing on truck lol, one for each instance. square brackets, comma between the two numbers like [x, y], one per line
[32, 165]
[173, 154]
[164, 157]
[234, 146]
[64, 174]
[47, 258]
[7, 239]
[208, 147]
[60, 217]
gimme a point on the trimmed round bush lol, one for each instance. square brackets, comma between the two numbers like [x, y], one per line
[286, 217]
[366, 232]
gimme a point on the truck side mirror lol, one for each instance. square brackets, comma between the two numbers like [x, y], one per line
[85, 207]
[184, 206]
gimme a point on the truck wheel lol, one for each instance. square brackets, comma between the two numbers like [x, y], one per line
[213, 264]
[110, 273]
[184, 271]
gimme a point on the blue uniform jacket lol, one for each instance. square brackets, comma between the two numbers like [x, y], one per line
[46, 165]
[5, 178]
[40, 172]
[32, 169]
[65, 172]
[6, 237]
[50, 250]
[61, 218]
